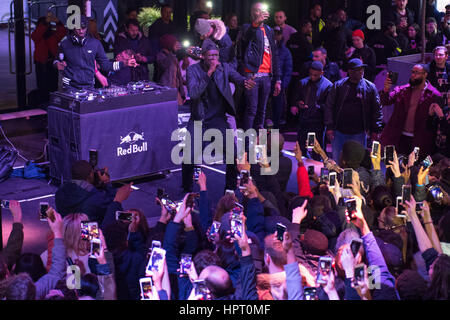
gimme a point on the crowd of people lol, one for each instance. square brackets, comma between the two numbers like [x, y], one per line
[371, 226]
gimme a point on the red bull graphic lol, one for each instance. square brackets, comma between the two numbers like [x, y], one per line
[132, 139]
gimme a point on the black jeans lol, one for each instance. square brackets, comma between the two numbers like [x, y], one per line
[256, 99]
[46, 79]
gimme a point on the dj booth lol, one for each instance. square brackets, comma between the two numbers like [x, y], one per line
[130, 127]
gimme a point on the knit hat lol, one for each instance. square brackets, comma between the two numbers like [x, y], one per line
[353, 154]
[411, 286]
[316, 65]
[392, 255]
[358, 33]
[202, 26]
[81, 170]
[208, 45]
[314, 242]
[168, 41]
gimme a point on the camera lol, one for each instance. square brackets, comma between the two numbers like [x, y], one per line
[324, 172]
[400, 207]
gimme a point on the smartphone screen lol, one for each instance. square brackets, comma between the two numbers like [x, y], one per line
[324, 269]
[281, 229]
[332, 179]
[310, 293]
[146, 288]
[324, 172]
[427, 162]
[124, 216]
[310, 140]
[185, 263]
[375, 149]
[348, 178]
[355, 245]
[169, 205]
[197, 171]
[416, 153]
[388, 154]
[95, 247]
[400, 207]
[244, 178]
[93, 158]
[259, 152]
[214, 229]
[359, 273]
[200, 288]
[43, 207]
[236, 222]
[156, 259]
[406, 193]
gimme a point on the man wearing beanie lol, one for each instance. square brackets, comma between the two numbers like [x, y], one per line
[308, 101]
[258, 57]
[208, 84]
[77, 55]
[361, 51]
[352, 109]
[216, 31]
[81, 196]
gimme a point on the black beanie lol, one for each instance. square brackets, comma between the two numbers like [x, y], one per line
[353, 154]
[81, 170]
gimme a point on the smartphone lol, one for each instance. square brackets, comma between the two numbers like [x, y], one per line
[259, 152]
[355, 245]
[124, 216]
[324, 172]
[311, 170]
[43, 207]
[5, 204]
[332, 179]
[419, 206]
[310, 293]
[359, 274]
[375, 149]
[200, 288]
[388, 154]
[350, 206]
[348, 178]
[161, 193]
[185, 263]
[179, 203]
[236, 222]
[156, 244]
[416, 153]
[197, 171]
[324, 269]
[281, 229]
[93, 158]
[228, 191]
[169, 205]
[406, 193]
[156, 260]
[427, 162]
[214, 230]
[393, 76]
[146, 285]
[310, 140]
[89, 230]
[95, 247]
[400, 208]
[244, 178]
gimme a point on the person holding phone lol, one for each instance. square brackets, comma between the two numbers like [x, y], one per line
[407, 128]
[308, 101]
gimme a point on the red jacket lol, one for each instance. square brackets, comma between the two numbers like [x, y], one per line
[45, 49]
[423, 133]
[304, 189]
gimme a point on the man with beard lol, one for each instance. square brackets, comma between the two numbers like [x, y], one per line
[208, 84]
[309, 100]
[353, 109]
[132, 38]
[408, 126]
[80, 52]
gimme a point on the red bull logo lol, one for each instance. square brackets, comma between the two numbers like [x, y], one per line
[132, 140]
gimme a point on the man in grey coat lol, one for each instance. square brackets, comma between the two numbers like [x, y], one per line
[208, 84]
